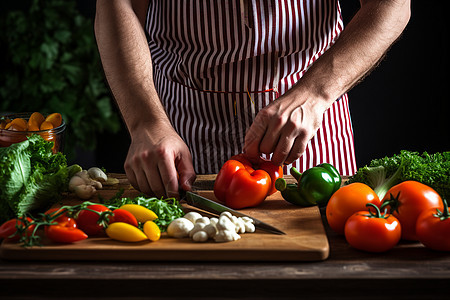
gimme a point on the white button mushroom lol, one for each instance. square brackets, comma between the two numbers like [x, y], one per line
[200, 229]
[192, 216]
[249, 227]
[204, 220]
[226, 214]
[197, 227]
[239, 223]
[200, 236]
[180, 228]
[226, 236]
[213, 221]
[225, 223]
[211, 230]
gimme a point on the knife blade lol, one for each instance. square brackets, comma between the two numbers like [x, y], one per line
[208, 205]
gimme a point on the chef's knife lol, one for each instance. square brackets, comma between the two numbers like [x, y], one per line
[201, 202]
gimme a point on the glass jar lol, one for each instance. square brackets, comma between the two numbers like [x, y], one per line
[55, 135]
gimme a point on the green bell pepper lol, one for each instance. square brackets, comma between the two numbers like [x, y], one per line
[314, 187]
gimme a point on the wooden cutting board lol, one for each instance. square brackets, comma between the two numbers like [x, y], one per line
[305, 238]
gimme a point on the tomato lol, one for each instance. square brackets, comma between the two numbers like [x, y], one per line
[122, 215]
[433, 228]
[407, 200]
[61, 214]
[371, 232]
[141, 213]
[61, 218]
[152, 231]
[90, 222]
[125, 232]
[346, 201]
[8, 230]
[65, 235]
[65, 231]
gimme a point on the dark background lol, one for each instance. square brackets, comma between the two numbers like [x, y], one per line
[402, 104]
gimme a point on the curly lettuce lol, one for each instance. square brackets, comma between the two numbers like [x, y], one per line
[31, 177]
[430, 169]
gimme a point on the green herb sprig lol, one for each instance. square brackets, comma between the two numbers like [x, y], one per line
[167, 209]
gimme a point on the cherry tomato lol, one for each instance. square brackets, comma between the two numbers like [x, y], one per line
[122, 215]
[8, 230]
[433, 228]
[61, 218]
[53, 212]
[88, 221]
[407, 200]
[65, 233]
[371, 232]
[346, 201]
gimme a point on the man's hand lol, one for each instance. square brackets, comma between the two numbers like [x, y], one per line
[158, 162]
[284, 128]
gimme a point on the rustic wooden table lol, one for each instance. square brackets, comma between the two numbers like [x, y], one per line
[409, 271]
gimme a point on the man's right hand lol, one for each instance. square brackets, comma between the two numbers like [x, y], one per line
[159, 162]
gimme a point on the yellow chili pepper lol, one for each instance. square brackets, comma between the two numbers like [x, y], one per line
[152, 231]
[141, 213]
[125, 232]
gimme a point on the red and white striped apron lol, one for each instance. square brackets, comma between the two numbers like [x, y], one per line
[216, 63]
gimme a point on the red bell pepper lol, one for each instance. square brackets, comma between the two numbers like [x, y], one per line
[242, 184]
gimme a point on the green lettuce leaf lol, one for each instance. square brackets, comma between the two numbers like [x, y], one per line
[31, 177]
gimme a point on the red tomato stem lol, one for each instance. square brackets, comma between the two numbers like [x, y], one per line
[103, 216]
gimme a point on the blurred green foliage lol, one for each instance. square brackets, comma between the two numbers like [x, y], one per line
[50, 63]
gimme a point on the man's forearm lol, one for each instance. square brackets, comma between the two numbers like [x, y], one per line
[126, 60]
[360, 46]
